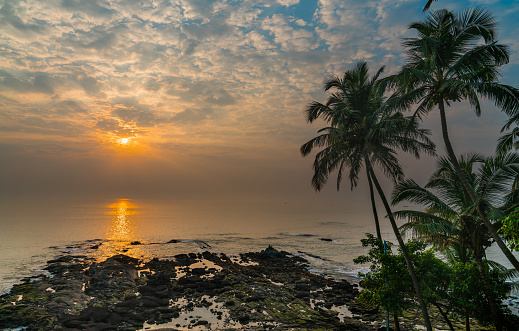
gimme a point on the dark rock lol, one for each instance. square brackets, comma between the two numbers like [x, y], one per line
[302, 287]
[148, 302]
[272, 253]
[72, 323]
[326, 239]
[253, 298]
[130, 297]
[199, 271]
[173, 241]
[94, 314]
[114, 319]
[302, 294]
[229, 303]
[136, 243]
[225, 282]
[339, 302]
[124, 259]
[162, 294]
[189, 280]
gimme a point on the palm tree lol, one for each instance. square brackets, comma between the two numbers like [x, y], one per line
[358, 89]
[451, 221]
[456, 57]
[428, 5]
[363, 132]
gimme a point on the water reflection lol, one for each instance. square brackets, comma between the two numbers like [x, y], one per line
[120, 232]
[122, 228]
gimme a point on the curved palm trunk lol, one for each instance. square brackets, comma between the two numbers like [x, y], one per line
[373, 206]
[488, 292]
[470, 190]
[407, 258]
[445, 317]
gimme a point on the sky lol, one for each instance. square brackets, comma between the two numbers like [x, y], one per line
[208, 95]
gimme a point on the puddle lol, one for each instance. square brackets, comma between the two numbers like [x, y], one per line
[344, 312]
[214, 316]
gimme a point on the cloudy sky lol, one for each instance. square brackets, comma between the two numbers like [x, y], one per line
[209, 95]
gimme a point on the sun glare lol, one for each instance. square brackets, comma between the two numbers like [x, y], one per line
[124, 141]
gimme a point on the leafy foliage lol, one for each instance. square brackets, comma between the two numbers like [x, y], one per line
[455, 286]
[510, 229]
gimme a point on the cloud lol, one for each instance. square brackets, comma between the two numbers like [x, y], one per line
[288, 3]
[140, 117]
[192, 115]
[222, 77]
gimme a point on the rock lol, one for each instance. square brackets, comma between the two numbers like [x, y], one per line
[302, 287]
[94, 314]
[114, 318]
[135, 243]
[272, 253]
[173, 241]
[250, 293]
[244, 318]
[326, 239]
[199, 271]
[302, 294]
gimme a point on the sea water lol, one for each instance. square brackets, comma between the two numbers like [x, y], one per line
[33, 232]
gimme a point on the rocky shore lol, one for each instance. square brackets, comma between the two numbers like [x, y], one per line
[270, 290]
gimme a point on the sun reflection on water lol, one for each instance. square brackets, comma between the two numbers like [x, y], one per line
[122, 228]
[120, 232]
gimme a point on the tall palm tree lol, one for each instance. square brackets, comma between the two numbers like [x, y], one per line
[451, 220]
[359, 90]
[363, 132]
[454, 58]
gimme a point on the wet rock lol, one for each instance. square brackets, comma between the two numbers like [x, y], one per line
[250, 294]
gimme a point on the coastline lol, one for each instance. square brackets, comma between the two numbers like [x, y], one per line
[269, 290]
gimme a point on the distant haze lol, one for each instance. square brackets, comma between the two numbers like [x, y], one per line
[209, 95]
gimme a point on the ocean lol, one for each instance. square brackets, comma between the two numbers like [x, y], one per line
[33, 232]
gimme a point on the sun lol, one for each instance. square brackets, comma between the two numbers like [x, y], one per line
[124, 141]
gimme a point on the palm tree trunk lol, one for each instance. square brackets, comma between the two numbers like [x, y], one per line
[397, 322]
[488, 292]
[407, 258]
[374, 207]
[471, 192]
[445, 317]
[467, 322]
